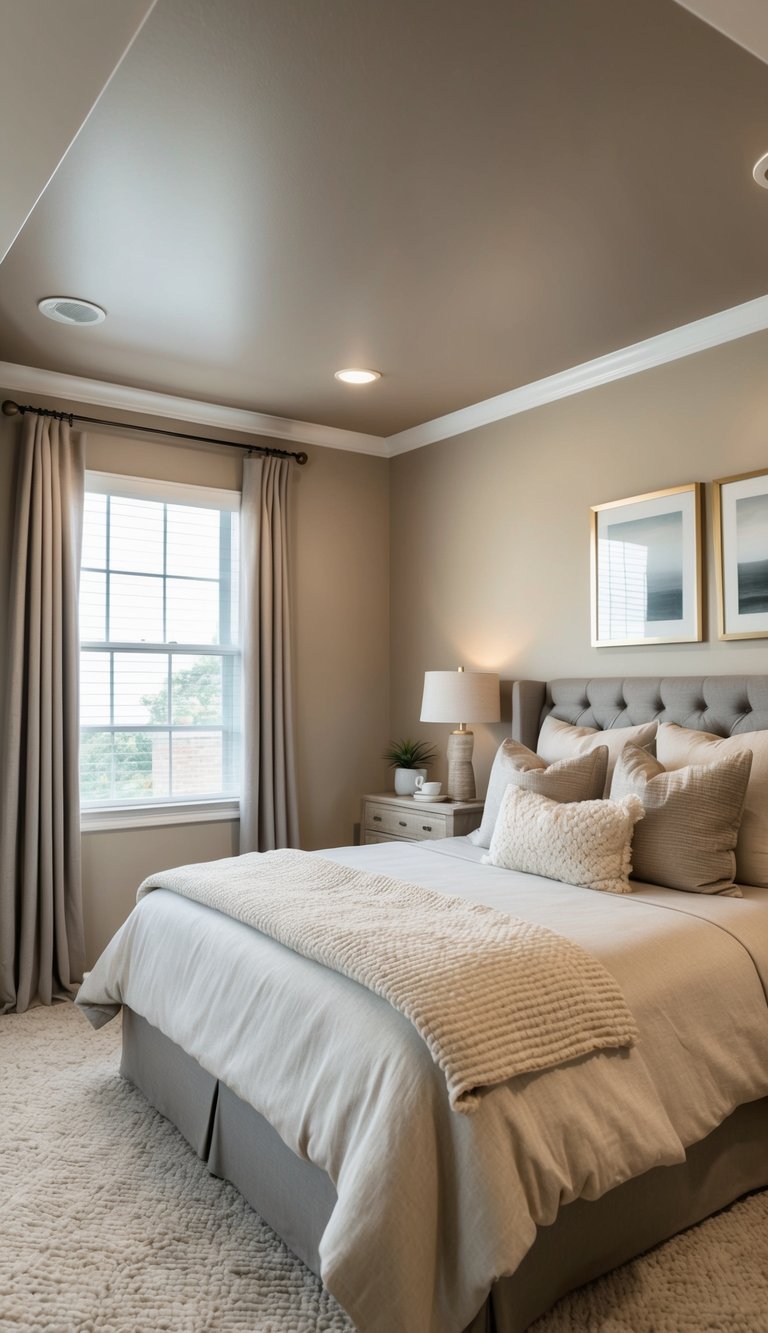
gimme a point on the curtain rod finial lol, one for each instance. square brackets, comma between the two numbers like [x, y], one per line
[10, 409]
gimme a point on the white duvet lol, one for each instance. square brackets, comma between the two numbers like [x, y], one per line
[433, 1207]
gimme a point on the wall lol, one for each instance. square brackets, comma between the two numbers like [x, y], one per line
[490, 544]
[341, 616]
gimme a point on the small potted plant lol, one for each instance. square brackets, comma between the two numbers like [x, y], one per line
[409, 760]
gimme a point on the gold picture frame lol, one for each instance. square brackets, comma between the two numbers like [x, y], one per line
[740, 518]
[646, 568]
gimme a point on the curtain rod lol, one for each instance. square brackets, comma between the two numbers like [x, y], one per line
[11, 409]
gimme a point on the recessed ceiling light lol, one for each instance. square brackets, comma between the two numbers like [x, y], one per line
[760, 171]
[358, 376]
[71, 310]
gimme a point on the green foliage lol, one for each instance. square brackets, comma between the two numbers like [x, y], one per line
[196, 696]
[409, 754]
[126, 754]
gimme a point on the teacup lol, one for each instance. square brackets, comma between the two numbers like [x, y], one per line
[427, 788]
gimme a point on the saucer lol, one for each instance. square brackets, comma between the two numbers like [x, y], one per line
[418, 797]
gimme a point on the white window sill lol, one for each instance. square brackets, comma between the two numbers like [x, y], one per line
[101, 819]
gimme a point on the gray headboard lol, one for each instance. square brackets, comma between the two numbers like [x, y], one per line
[720, 704]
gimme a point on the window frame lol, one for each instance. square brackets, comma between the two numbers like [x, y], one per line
[114, 814]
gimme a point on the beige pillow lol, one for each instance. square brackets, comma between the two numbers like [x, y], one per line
[581, 779]
[584, 842]
[676, 747]
[560, 740]
[692, 816]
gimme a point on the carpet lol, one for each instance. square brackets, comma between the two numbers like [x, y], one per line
[110, 1223]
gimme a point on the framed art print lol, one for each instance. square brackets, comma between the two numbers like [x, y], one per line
[741, 555]
[646, 568]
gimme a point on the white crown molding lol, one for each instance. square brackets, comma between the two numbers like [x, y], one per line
[712, 331]
[726, 325]
[100, 393]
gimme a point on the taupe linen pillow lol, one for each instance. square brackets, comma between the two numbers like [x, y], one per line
[676, 747]
[692, 816]
[561, 740]
[581, 779]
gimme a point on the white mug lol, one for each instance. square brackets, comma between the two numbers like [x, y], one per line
[428, 788]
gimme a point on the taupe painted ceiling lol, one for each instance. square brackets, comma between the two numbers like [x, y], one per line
[467, 197]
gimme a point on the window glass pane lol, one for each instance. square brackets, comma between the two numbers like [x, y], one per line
[193, 542]
[93, 607]
[94, 689]
[95, 765]
[136, 535]
[234, 583]
[135, 609]
[197, 764]
[95, 531]
[196, 690]
[193, 611]
[140, 765]
[141, 688]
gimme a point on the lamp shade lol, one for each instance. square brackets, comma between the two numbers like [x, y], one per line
[460, 696]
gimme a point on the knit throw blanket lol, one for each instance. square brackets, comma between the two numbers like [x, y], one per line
[491, 995]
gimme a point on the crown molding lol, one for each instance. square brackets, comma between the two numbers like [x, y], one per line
[725, 326]
[712, 331]
[100, 393]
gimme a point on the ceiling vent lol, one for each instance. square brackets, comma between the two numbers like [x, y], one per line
[71, 310]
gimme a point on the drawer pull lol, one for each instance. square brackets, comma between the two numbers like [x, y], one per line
[377, 819]
[402, 823]
[426, 828]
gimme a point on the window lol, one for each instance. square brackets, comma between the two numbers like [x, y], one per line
[159, 661]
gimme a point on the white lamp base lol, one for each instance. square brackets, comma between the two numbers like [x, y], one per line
[461, 775]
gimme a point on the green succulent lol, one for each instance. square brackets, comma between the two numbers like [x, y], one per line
[409, 754]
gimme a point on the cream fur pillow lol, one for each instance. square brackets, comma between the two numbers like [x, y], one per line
[677, 747]
[561, 740]
[584, 842]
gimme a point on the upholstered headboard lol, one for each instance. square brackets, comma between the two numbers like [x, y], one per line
[720, 704]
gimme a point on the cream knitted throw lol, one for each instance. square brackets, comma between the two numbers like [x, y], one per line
[492, 996]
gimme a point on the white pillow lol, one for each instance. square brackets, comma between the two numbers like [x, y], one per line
[560, 740]
[677, 747]
[583, 842]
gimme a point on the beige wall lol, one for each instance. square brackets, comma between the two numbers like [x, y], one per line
[490, 564]
[341, 613]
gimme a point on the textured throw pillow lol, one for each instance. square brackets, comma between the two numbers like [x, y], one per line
[676, 747]
[581, 779]
[560, 740]
[585, 843]
[692, 816]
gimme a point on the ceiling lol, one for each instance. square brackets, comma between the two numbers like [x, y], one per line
[467, 198]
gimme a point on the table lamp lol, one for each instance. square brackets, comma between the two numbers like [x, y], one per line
[471, 695]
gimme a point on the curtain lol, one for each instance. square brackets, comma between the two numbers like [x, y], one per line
[41, 928]
[268, 808]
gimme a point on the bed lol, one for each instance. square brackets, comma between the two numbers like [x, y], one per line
[324, 1108]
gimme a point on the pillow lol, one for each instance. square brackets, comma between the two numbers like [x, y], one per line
[677, 747]
[692, 816]
[583, 842]
[581, 779]
[559, 740]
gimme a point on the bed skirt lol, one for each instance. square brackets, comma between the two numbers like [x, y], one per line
[588, 1239]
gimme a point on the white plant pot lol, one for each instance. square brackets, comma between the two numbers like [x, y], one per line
[405, 780]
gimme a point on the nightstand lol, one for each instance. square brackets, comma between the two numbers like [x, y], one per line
[388, 818]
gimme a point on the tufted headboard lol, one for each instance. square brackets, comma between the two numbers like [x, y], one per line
[720, 704]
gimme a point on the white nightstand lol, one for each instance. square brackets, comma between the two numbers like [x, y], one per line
[388, 818]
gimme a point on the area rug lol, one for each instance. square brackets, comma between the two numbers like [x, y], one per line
[109, 1223]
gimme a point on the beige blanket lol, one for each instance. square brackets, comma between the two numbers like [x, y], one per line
[491, 995]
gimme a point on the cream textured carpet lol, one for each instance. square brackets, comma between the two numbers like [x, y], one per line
[110, 1224]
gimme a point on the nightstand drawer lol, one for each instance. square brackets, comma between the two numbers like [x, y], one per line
[369, 838]
[402, 822]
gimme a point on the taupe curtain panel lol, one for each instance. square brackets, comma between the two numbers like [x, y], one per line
[268, 808]
[41, 928]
